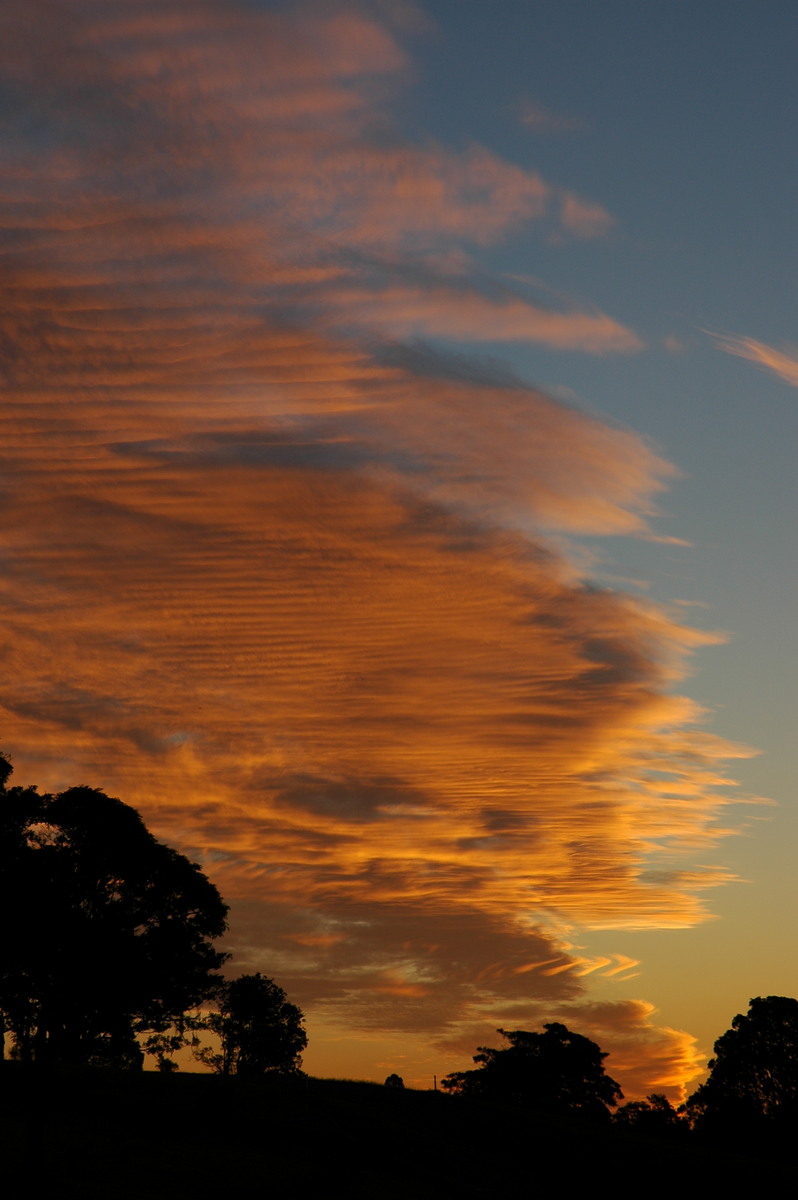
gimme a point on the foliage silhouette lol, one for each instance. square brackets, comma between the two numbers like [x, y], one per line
[753, 1080]
[655, 1115]
[108, 932]
[394, 1081]
[556, 1071]
[259, 1030]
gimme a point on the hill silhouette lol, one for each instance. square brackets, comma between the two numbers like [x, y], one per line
[78, 1132]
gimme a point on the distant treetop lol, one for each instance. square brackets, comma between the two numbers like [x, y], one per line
[554, 1071]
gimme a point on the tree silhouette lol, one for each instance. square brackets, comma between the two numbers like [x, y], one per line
[258, 1029]
[107, 932]
[557, 1070]
[655, 1115]
[754, 1075]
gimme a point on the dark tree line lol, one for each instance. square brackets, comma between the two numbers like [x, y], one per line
[750, 1098]
[654, 1116]
[108, 944]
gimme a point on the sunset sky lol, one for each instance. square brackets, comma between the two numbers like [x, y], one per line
[398, 444]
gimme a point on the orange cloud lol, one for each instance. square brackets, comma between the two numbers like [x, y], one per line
[285, 584]
[469, 315]
[642, 1055]
[645, 1056]
[781, 363]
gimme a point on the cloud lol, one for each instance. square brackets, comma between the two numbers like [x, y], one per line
[468, 314]
[647, 1056]
[285, 582]
[780, 362]
[584, 218]
[544, 120]
[642, 1055]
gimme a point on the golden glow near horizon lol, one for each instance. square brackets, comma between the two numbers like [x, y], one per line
[303, 593]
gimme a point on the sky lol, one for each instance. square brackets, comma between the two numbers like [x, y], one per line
[397, 470]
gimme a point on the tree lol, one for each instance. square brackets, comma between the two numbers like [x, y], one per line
[556, 1070]
[258, 1029]
[655, 1116]
[107, 933]
[753, 1079]
[394, 1081]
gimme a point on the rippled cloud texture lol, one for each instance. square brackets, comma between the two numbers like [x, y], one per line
[288, 581]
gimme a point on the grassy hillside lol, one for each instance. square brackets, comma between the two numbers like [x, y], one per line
[108, 1135]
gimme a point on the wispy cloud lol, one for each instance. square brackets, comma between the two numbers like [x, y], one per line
[284, 581]
[783, 363]
[544, 120]
[450, 309]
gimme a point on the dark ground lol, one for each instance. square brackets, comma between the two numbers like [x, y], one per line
[119, 1136]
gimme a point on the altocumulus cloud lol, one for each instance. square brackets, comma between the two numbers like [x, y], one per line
[269, 572]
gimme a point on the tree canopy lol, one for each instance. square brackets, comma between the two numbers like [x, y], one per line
[107, 932]
[754, 1074]
[557, 1070]
[655, 1116]
[258, 1029]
